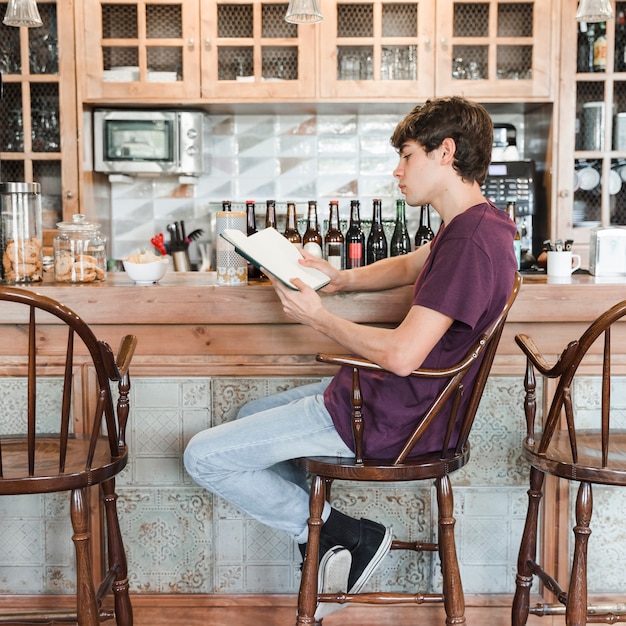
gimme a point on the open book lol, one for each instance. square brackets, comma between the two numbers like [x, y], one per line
[277, 256]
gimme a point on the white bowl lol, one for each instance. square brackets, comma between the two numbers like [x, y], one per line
[147, 273]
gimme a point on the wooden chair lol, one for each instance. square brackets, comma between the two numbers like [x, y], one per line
[47, 456]
[435, 466]
[573, 453]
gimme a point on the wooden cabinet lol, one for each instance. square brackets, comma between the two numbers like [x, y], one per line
[251, 52]
[492, 50]
[141, 50]
[38, 133]
[164, 50]
[243, 50]
[591, 176]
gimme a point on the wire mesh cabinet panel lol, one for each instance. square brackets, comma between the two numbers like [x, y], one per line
[141, 49]
[250, 52]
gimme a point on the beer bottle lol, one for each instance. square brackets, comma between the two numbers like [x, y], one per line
[312, 240]
[291, 228]
[253, 270]
[424, 232]
[270, 214]
[517, 242]
[355, 239]
[400, 240]
[599, 49]
[376, 240]
[333, 239]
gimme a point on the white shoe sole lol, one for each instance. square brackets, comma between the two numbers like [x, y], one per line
[332, 577]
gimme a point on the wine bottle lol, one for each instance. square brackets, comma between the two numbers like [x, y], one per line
[376, 240]
[620, 43]
[312, 240]
[291, 227]
[253, 270]
[333, 238]
[599, 49]
[400, 241]
[355, 239]
[517, 241]
[582, 56]
[270, 214]
[424, 232]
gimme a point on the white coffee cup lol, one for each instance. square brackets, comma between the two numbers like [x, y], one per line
[562, 263]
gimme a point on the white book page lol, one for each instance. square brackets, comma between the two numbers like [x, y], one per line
[268, 249]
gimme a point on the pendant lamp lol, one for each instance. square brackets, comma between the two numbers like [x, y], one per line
[22, 13]
[303, 12]
[594, 11]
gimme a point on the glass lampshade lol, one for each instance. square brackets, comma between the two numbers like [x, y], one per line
[594, 11]
[303, 12]
[22, 13]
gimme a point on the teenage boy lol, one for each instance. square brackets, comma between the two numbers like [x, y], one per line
[461, 279]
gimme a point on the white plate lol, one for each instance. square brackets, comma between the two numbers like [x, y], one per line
[588, 178]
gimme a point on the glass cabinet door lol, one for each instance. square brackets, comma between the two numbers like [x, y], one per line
[495, 49]
[141, 49]
[250, 51]
[38, 141]
[377, 49]
[592, 133]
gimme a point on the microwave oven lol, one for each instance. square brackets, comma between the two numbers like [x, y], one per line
[150, 142]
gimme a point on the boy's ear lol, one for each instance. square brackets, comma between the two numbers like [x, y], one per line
[448, 149]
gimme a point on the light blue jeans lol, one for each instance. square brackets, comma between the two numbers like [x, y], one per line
[247, 461]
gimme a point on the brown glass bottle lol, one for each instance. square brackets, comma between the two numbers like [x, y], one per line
[376, 240]
[400, 240]
[253, 270]
[291, 228]
[355, 239]
[424, 232]
[270, 214]
[312, 239]
[333, 238]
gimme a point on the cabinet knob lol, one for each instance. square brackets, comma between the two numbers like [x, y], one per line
[564, 193]
[207, 43]
[444, 43]
[427, 43]
[191, 42]
[69, 195]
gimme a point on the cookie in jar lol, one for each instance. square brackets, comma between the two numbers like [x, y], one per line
[79, 252]
[20, 241]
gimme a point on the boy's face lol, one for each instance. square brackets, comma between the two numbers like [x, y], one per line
[416, 173]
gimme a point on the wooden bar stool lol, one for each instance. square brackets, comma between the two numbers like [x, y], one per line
[586, 455]
[47, 456]
[434, 466]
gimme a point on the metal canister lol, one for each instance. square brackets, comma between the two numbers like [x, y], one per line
[619, 132]
[593, 126]
[20, 232]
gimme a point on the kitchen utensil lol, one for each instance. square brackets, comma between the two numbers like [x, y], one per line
[158, 241]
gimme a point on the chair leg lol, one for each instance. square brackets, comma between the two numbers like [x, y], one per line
[87, 607]
[528, 551]
[454, 601]
[576, 610]
[307, 596]
[117, 556]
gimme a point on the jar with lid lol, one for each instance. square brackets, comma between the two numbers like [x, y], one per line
[79, 252]
[20, 232]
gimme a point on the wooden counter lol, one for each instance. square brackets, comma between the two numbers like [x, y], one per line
[204, 350]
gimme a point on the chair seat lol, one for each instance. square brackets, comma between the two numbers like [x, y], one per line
[46, 476]
[418, 468]
[558, 459]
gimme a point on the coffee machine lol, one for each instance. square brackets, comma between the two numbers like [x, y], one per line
[515, 180]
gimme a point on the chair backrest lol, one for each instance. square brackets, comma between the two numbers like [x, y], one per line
[565, 370]
[36, 318]
[482, 352]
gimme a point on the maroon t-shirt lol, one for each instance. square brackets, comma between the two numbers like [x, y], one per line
[468, 276]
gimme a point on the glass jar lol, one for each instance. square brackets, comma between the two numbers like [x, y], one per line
[79, 252]
[20, 232]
